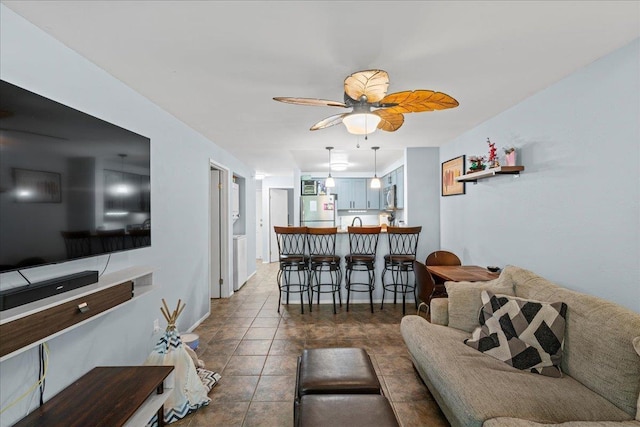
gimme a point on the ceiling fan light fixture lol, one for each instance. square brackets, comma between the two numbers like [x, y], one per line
[361, 123]
[339, 166]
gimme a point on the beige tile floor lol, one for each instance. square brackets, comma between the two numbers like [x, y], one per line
[255, 350]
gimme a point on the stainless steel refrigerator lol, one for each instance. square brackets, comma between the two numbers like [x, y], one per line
[318, 211]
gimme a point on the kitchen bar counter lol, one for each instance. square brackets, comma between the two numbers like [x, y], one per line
[344, 231]
[342, 249]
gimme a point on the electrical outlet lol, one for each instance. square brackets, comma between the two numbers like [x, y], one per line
[156, 325]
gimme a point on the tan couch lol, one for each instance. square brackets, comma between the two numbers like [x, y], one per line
[600, 385]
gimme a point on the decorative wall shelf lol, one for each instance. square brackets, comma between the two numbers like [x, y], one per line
[488, 173]
[28, 325]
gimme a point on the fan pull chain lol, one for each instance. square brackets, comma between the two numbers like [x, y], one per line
[366, 137]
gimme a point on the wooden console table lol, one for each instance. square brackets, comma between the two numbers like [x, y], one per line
[107, 396]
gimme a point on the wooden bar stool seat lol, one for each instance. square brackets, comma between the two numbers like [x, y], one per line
[293, 263]
[325, 272]
[363, 245]
[403, 246]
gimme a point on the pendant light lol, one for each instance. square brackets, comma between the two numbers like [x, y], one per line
[375, 182]
[330, 182]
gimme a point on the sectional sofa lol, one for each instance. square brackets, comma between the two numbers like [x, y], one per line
[600, 364]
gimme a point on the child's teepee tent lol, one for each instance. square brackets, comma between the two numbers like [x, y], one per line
[188, 392]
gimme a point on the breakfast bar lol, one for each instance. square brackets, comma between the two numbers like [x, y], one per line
[440, 273]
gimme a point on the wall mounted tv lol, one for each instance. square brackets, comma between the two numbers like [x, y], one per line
[71, 185]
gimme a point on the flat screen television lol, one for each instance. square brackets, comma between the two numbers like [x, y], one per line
[71, 185]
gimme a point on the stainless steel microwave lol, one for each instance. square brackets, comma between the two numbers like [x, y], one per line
[389, 197]
[309, 188]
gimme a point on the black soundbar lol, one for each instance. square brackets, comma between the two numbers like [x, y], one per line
[21, 295]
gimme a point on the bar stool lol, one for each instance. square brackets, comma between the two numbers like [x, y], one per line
[363, 244]
[403, 245]
[324, 263]
[292, 242]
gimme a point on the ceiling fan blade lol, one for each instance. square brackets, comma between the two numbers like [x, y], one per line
[390, 122]
[417, 101]
[371, 83]
[329, 121]
[310, 101]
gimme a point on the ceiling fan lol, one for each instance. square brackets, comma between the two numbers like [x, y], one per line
[366, 93]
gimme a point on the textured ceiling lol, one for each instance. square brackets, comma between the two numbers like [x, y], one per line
[216, 65]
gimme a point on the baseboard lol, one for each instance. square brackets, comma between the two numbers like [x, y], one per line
[198, 322]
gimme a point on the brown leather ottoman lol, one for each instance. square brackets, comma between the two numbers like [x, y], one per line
[336, 371]
[352, 410]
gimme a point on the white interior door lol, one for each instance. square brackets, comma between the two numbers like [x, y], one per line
[278, 216]
[215, 226]
[259, 224]
[220, 242]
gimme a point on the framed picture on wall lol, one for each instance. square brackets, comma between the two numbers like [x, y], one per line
[36, 186]
[451, 169]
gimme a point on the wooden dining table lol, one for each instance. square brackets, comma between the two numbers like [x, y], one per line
[460, 273]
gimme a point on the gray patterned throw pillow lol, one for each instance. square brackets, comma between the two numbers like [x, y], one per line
[526, 334]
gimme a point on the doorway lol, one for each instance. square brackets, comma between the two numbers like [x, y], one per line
[259, 223]
[278, 216]
[220, 283]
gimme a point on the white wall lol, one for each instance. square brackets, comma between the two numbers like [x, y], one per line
[180, 178]
[422, 197]
[573, 215]
[284, 182]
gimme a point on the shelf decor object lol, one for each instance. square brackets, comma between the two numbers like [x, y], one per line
[510, 155]
[451, 170]
[493, 158]
[500, 170]
[477, 163]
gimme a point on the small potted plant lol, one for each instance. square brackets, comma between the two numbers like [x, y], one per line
[477, 163]
[510, 155]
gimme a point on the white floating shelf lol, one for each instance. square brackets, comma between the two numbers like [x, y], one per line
[488, 173]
